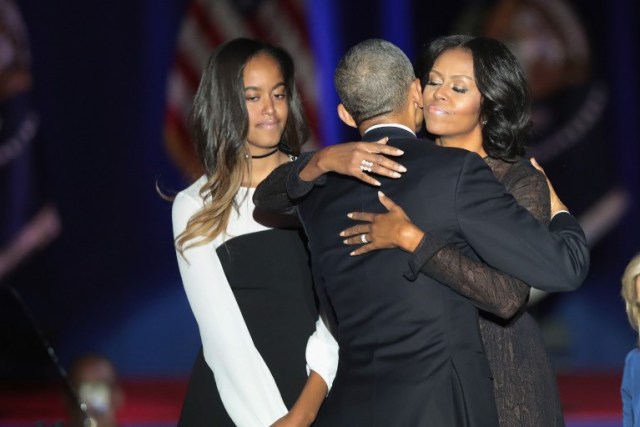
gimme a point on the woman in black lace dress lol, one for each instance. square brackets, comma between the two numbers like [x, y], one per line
[476, 98]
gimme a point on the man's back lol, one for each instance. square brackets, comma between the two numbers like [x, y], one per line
[411, 353]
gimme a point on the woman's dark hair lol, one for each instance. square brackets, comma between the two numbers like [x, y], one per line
[506, 102]
[219, 118]
[220, 124]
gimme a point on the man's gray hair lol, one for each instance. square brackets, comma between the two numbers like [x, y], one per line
[373, 78]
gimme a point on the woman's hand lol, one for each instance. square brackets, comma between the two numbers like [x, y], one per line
[382, 231]
[556, 203]
[356, 159]
[304, 411]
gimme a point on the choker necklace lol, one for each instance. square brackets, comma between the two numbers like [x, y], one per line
[262, 156]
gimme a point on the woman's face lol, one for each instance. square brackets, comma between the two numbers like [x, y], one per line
[267, 104]
[452, 101]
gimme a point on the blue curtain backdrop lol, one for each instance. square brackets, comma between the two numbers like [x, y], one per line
[110, 282]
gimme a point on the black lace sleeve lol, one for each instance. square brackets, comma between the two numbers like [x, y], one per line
[279, 191]
[489, 289]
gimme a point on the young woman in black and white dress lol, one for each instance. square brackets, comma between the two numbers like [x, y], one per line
[245, 272]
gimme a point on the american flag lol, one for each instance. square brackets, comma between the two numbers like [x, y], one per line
[209, 23]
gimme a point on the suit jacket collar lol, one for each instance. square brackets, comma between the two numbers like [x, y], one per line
[390, 131]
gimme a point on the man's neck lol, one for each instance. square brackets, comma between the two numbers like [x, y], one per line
[396, 125]
[387, 120]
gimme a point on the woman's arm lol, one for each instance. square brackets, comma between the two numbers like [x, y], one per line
[489, 289]
[246, 386]
[322, 365]
[306, 408]
[553, 258]
[347, 159]
[289, 182]
[492, 290]
[272, 194]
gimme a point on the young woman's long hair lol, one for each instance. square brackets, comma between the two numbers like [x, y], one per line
[506, 101]
[219, 123]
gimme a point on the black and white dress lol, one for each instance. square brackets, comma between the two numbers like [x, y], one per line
[251, 293]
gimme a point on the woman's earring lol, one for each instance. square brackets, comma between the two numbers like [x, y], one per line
[484, 122]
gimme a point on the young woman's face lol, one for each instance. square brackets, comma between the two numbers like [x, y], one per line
[452, 100]
[267, 104]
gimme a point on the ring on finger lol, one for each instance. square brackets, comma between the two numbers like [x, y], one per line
[366, 165]
[363, 237]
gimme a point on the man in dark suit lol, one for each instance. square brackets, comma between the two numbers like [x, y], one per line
[410, 352]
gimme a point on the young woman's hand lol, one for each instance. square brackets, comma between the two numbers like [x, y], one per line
[357, 159]
[382, 231]
[304, 411]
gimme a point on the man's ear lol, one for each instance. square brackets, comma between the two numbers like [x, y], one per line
[416, 92]
[345, 116]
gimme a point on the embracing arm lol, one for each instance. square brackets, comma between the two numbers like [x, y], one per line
[490, 289]
[272, 193]
[247, 388]
[290, 182]
[507, 237]
[559, 253]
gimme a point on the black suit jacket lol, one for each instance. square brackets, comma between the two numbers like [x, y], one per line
[410, 351]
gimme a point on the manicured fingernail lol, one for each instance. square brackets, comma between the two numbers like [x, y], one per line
[402, 169]
[380, 194]
[396, 175]
[350, 215]
[377, 183]
[345, 242]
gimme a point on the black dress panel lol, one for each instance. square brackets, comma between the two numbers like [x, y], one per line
[270, 277]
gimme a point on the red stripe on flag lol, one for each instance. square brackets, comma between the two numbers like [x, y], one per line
[184, 68]
[297, 18]
[212, 35]
[200, 17]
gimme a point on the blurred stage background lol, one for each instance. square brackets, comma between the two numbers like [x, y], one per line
[92, 100]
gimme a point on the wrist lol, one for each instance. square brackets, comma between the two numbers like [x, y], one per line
[302, 417]
[314, 168]
[410, 237]
[558, 207]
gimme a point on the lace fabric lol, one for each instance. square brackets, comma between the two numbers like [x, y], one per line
[524, 383]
